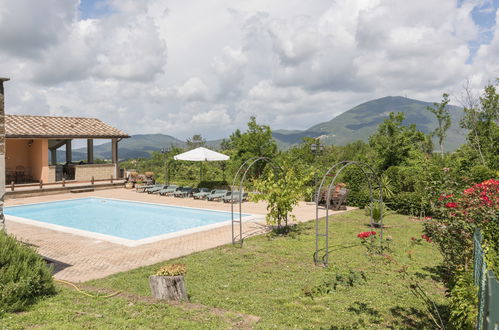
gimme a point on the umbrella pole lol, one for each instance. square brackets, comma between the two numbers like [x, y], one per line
[200, 172]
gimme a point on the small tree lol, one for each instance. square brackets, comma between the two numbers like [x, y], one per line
[195, 141]
[282, 191]
[257, 141]
[443, 118]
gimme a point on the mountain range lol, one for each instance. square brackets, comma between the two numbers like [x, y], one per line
[357, 123]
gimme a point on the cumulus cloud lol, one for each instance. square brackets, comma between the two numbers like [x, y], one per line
[181, 68]
[28, 28]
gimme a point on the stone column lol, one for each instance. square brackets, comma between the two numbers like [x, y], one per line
[114, 152]
[2, 152]
[69, 156]
[90, 151]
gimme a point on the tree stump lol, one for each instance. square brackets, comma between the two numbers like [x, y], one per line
[168, 287]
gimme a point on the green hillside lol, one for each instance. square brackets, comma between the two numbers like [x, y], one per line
[357, 123]
[361, 121]
[140, 145]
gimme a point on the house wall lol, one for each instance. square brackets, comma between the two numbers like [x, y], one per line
[16, 154]
[33, 158]
[39, 159]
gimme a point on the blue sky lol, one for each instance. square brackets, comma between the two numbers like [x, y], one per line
[94, 9]
[484, 15]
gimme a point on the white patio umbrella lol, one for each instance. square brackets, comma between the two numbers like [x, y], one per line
[201, 155]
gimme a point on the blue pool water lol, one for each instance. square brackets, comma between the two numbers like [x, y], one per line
[124, 219]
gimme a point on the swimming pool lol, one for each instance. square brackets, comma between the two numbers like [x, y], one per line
[119, 221]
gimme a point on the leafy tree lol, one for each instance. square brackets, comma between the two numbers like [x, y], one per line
[195, 141]
[394, 143]
[481, 119]
[443, 118]
[257, 141]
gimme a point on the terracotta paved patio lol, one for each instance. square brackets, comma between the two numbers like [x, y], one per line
[79, 258]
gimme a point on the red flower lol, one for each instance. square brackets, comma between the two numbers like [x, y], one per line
[451, 205]
[366, 234]
[469, 191]
[445, 197]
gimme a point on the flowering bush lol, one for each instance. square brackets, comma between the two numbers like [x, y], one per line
[457, 216]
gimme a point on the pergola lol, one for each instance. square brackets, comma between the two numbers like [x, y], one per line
[30, 139]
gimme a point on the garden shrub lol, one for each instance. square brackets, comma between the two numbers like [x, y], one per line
[481, 173]
[409, 203]
[356, 182]
[358, 198]
[213, 184]
[24, 275]
[463, 302]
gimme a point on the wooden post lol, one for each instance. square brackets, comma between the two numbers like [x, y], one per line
[111, 178]
[41, 184]
[92, 180]
[168, 287]
[12, 186]
[63, 182]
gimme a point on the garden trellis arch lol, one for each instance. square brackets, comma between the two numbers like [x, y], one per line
[370, 175]
[238, 237]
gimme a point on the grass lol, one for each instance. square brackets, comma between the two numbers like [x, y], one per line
[274, 279]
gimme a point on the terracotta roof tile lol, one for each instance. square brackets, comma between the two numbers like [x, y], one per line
[59, 127]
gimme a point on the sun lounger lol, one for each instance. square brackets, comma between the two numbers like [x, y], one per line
[154, 190]
[202, 193]
[217, 194]
[169, 190]
[183, 192]
[143, 187]
[234, 197]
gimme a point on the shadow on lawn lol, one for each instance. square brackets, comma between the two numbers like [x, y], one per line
[366, 316]
[436, 273]
[410, 317]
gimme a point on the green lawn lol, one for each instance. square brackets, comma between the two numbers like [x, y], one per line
[275, 280]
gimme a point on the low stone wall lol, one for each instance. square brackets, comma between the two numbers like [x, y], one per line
[50, 177]
[98, 171]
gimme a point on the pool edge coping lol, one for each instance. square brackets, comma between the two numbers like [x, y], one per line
[124, 241]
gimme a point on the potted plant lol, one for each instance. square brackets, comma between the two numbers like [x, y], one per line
[131, 179]
[168, 283]
[377, 210]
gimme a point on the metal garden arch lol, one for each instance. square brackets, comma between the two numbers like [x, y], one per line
[252, 161]
[370, 175]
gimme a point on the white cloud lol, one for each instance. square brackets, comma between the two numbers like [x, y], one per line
[185, 67]
[28, 28]
[193, 89]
